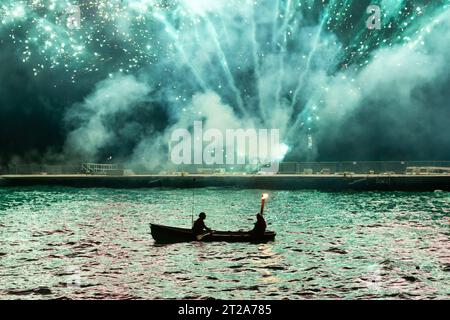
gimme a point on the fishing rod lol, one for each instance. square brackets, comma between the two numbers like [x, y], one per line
[193, 201]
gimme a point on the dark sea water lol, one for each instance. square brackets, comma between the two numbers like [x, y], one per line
[96, 244]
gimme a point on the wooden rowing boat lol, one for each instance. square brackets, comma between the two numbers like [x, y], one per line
[166, 234]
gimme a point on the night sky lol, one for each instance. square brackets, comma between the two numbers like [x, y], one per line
[133, 71]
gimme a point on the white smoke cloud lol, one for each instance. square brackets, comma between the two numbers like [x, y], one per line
[152, 151]
[111, 96]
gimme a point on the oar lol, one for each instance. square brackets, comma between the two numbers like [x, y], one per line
[201, 236]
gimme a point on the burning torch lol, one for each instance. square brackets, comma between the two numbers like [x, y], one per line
[263, 200]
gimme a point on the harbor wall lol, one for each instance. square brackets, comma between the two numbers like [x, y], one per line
[270, 182]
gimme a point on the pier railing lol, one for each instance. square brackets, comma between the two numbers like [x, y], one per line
[313, 168]
[82, 168]
[24, 169]
[365, 167]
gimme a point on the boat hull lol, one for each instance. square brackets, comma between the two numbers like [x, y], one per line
[166, 234]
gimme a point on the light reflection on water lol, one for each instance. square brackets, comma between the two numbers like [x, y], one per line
[95, 244]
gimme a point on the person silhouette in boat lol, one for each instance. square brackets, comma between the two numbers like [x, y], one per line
[199, 226]
[260, 226]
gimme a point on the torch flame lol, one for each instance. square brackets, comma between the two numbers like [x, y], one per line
[264, 196]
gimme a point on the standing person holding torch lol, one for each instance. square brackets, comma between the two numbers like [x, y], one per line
[260, 225]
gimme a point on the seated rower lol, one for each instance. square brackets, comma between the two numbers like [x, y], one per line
[260, 226]
[199, 226]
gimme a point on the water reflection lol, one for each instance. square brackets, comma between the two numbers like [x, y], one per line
[95, 244]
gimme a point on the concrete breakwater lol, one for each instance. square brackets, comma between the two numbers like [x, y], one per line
[400, 182]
